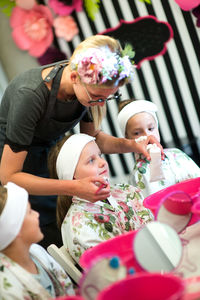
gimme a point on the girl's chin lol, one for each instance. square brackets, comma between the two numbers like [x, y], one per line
[40, 237]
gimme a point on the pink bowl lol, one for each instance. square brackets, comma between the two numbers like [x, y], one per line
[121, 246]
[143, 286]
[190, 186]
[70, 298]
[178, 202]
[196, 208]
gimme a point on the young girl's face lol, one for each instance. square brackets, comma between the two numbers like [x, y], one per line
[91, 162]
[142, 124]
[30, 231]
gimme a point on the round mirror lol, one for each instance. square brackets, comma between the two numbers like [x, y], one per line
[175, 210]
[157, 247]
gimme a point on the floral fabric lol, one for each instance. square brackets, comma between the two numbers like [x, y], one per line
[87, 224]
[17, 284]
[176, 167]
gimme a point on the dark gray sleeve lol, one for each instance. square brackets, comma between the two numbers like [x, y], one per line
[25, 110]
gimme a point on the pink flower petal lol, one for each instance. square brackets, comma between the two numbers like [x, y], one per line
[32, 29]
[38, 49]
[78, 5]
[187, 4]
[65, 27]
[17, 17]
[65, 10]
[44, 10]
[21, 39]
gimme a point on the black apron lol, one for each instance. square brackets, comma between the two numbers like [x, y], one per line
[36, 160]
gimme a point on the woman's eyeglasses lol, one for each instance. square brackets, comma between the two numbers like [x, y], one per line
[116, 96]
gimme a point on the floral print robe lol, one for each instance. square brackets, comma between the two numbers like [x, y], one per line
[87, 224]
[176, 167]
[18, 284]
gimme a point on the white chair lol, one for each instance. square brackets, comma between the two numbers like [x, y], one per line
[66, 261]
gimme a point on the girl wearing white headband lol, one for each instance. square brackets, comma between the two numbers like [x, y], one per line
[85, 224]
[138, 119]
[26, 270]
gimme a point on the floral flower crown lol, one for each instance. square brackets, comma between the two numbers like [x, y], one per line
[98, 65]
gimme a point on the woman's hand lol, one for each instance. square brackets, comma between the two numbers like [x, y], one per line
[92, 188]
[141, 146]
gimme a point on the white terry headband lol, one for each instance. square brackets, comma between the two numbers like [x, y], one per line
[69, 155]
[13, 214]
[134, 108]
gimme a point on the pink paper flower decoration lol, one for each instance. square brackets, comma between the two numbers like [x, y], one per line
[32, 29]
[65, 27]
[64, 10]
[187, 4]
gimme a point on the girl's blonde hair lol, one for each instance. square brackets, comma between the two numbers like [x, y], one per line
[63, 201]
[98, 41]
[3, 198]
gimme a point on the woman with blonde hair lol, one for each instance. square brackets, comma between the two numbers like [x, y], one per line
[41, 104]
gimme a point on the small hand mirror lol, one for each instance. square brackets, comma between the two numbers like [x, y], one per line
[157, 247]
[175, 210]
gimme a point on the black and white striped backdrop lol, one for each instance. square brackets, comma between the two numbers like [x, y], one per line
[171, 81]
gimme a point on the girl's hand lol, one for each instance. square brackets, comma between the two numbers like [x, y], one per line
[92, 188]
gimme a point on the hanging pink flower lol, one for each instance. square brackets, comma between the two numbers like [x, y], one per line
[65, 27]
[32, 29]
[62, 9]
[25, 4]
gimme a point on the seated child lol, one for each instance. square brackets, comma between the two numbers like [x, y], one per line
[85, 224]
[27, 271]
[138, 119]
